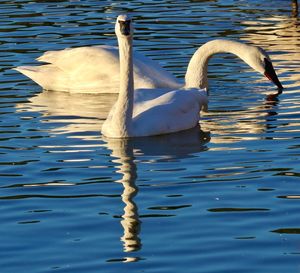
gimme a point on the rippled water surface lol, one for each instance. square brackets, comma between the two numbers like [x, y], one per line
[223, 198]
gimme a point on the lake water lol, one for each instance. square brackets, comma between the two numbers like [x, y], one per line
[223, 198]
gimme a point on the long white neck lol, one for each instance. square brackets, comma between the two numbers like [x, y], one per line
[196, 75]
[124, 104]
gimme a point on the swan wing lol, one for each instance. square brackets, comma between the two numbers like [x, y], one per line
[89, 69]
[94, 70]
[83, 70]
[171, 112]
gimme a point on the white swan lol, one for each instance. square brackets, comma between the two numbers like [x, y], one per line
[96, 69]
[137, 114]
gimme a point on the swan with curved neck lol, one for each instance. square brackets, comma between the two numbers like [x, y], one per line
[134, 114]
[96, 69]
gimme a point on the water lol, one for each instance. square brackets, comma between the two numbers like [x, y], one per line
[221, 199]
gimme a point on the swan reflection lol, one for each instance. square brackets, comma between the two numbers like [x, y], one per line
[125, 151]
[243, 124]
[72, 113]
[78, 113]
[122, 150]
[279, 33]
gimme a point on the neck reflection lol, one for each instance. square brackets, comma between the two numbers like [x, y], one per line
[178, 145]
[122, 149]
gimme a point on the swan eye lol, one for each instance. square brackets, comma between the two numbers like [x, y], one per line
[125, 27]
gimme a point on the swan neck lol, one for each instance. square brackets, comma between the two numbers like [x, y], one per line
[124, 105]
[196, 75]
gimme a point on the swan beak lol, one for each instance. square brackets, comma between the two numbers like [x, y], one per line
[125, 27]
[271, 75]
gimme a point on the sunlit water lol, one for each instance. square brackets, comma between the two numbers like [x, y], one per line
[225, 198]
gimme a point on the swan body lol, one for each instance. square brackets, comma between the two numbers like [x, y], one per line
[148, 112]
[167, 112]
[94, 70]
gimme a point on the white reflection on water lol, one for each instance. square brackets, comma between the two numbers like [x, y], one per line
[242, 125]
[76, 113]
[82, 113]
[279, 33]
[122, 150]
[179, 145]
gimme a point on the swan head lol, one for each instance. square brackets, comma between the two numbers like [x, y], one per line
[259, 60]
[124, 26]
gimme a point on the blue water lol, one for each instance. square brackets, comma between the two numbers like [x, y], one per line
[223, 198]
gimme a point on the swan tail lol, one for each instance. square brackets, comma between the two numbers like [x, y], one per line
[48, 57]
[48, 77]
[29, 71]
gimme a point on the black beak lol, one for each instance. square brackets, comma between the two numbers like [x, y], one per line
[271, 75]
[125, 27]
